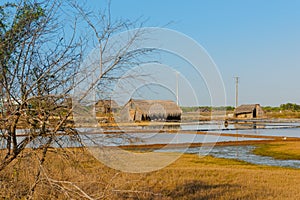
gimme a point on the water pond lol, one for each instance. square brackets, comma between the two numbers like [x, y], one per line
[243, 153]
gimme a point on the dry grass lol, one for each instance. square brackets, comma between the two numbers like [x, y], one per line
[280, 150]
[67, 173]
[283, 114]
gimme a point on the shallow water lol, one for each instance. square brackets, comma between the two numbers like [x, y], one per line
[282, 132]
[160, 138]
[94, 137]
[243, 153]
[239, 126]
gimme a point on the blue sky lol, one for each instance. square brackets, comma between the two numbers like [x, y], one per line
[259, 41]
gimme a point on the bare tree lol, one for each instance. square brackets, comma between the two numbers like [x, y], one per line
[37, 67]
[40, 59]
[112, 56]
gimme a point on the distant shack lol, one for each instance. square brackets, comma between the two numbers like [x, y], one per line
[249, 111]
[106, 106]
[150, 110]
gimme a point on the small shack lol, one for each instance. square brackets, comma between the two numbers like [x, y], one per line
[249, 111]
[106, 106]
[150, 110]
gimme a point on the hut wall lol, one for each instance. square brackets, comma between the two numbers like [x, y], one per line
[128, 114]
[244, 115]
[136, 115]
[125, 114]
[106, 106]
[259, 111]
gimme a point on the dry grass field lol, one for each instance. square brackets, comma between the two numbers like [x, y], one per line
[280, 150]
[75, 174]
[283, 114]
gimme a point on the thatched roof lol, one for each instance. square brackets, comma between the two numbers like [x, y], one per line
[107, 103]
[156, 107]
[248, 108]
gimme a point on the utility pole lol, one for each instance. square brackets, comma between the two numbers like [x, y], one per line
[236, 105]
[177, 98]
[236, 90]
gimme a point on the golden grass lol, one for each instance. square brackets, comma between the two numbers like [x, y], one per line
[190, 177]
[283, 114]
[280, 150]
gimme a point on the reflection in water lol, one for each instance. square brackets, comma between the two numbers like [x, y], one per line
[162, 127]
[249, 125]
[150, 138]
[212, 126]
[121, 139]
[61, 141]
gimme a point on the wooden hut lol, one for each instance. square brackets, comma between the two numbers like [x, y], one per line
[150, 110]
[249, 111]
[106, 106]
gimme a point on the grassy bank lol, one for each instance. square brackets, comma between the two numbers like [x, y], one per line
[283, 114]
[74, 173]
[280, 150]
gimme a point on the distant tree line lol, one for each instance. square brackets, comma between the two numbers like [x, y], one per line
[207, 108]
[283, 107]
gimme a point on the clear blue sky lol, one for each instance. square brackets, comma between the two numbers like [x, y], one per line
[259, 41]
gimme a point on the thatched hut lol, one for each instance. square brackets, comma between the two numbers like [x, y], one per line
[150, 110]
[106, 106]
[249, 111]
